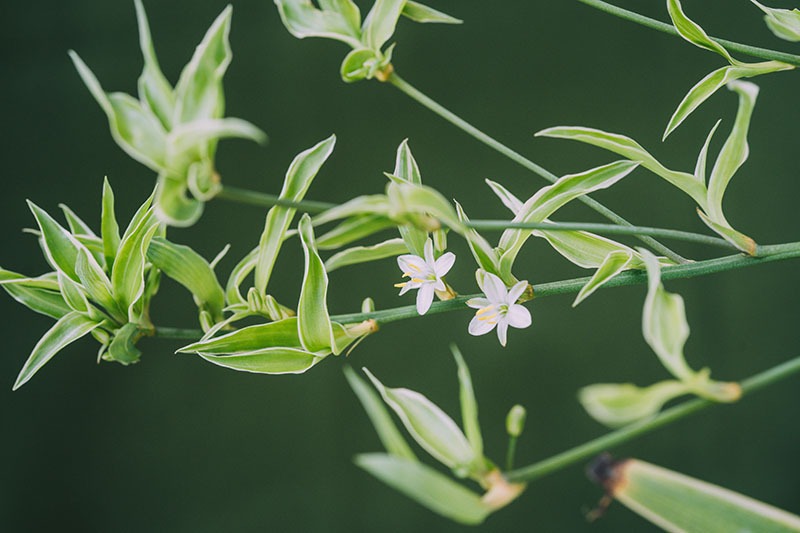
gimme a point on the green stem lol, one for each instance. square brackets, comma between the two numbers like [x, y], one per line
[518, 158]
[608, 229]
[512, 451]
[615, 438]
[177, 333]
[244, 196]
[632, 16]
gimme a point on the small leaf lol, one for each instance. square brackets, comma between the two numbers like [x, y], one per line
[615, 263]
[97, 284]
[237, 277]
[198, 93]
[60, 247]
[358, 65]
[73, 294]
[481, 250]
[677, 502]
[75, 224]
[739, 240]
[185, 138]
[68, 329]
[664, 323]
[513, 203]
[583, 248]
[422, 13]
[353, 229]
[364, 254]
[133, 128]
[692, 32]
[108, 225]
[469, 405]
[405, 166]
[278, 360]
[127, 276]
[32, 295]
[313, 320]
[154, 90]
[702, 157]
[618, 404]
[381, 420]
[303, 20]
[122, 349]
[784, 23]
[627, 147]
[427, 487]
[298, 179]
[380, 22]
[188, 268]
[429, 426]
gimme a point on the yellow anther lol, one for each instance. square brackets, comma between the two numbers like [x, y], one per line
[484, 310]
[412, 266]
[489, 318]
[399, 285]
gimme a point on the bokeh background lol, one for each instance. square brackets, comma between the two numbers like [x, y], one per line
[176, 444]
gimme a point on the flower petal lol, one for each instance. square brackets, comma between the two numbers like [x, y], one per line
[516, 291]
[518, 316]
[429, 252]
[477, 303]
[439, 285]
[494, 288]
[424, 298]
[480, 327]
[443, 265]
[502, 331]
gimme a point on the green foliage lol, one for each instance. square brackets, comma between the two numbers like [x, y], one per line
[784, 23]
[175, 132]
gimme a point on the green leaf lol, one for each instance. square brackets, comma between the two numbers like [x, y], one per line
[250, 339]
[692, 32]
[405, 166]
[172, 205]
[615, 263]
[513, 203]
[73, 294]
[298, 179]
[408, 201]
[45, 300]
[188, 268]
[374, 204]
[237, 277]
[122, 349]
[278, 360]
[108, 225]
[702, 157]
[127, 276]
[303, 20]
[427, 487]
[627, 147]
[422, 13]
[198, 93]
[430, 427]
[364, 254]
[134, 128]
[739, 240]
[186, 138]
[664, 323]
[154, 90]
[75, 224]
[60, 247]
[733, 153]
[68, 329]
[97, 284]
[481, 250]
[469, 405]
[549, 199]
[380, 22]
[353, 229]
[359, 64]
[619, 404]
[583, 248]
[347, 8]
[677, 502]
[313, 320]
[381, 420]
[784, 23]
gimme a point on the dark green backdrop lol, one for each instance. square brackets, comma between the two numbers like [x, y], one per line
[176, 444]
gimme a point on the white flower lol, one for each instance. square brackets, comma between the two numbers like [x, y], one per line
[499, 308]
[426, 275]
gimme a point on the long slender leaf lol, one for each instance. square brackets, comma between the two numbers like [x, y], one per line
[353, 229]
[614, 264]
[469, 405]
[108, 225]
[154, 90]
[364, 254]
[422, 13]
[127, 276]
[380, 22]
[303, 20]
[619, 404]
[313, 320]
[279, 360]
[32, 295]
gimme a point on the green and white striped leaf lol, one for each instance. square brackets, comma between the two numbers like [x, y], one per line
[627, 147]
[373, 204]
[109, 229]
[469, 405]
[313, 320]
[619, 404]
[68, 329]
[784, 23]
[155, 91]
[380, 22]
[303, 20]
[692, 32]
[172, 205]
[436, 432]
[298, 179]
[405, 166]
[127, 276]
[482, 251]
[198, 93]
[702, 157]
[583, 248]
[347, 8]
[188, 268]
[237, 277]
[676, 502]
[73, 294]
[513, 203]
[75, 224]
[387, 431]
[353, 229]
[422, 13]
[427, 487]
[365, 254]
[97, 285]
[30, 292]
[739, 240]
[123, 348]
[549, 199]
[278, 360]
[190, 139]
[137, 131]
[60, 247]
[250, 339]
[614, 264]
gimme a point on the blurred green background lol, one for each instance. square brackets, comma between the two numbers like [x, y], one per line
[176, 444]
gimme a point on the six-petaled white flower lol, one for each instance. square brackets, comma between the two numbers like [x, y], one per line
[499, 308]
[426, 275]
